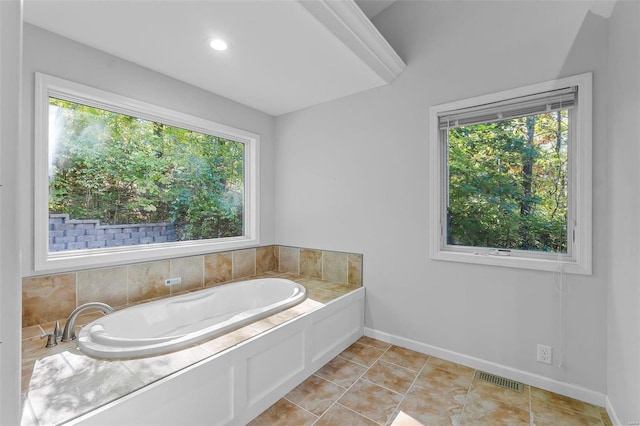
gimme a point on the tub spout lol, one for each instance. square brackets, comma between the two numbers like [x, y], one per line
[69, 332]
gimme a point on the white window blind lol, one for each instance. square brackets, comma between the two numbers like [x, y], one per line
[539, 103]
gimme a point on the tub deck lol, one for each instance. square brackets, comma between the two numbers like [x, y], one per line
[60, 383]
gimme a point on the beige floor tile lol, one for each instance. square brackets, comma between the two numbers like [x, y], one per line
[339, 415]
[443, 393]
[372, 401]
[544, 414]
[374, 342]
[449, 366]
[564, 402]
[284, 413]
[405, 358]
[431, 375]
[390, 376]
[484, 411]
[362, 354]
[434, 405]
[403, 419]
[427, 419]
[484, 389]
[341, 371]
[315, 395]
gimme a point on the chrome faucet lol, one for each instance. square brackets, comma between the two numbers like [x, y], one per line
[69, 332]
[52, 338]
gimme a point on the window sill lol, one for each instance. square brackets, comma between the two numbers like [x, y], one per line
[94, 258]
[549, 264]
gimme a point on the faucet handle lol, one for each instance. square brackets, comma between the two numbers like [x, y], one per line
[52, 339]
[57, 330]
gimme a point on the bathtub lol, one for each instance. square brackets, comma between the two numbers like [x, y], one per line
[235, 385]
[173, 323]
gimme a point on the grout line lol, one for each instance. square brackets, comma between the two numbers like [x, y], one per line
[352, 384]
[382, 386]
[126, 278]
[409, 389]
[354, 411]
[531, 416]
[77, 289]
[466, 397]
[233, 275]
[302, 408]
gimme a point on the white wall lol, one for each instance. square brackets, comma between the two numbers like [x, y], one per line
[61, 57]
[352, 175]
[623, 307]
[10, 51]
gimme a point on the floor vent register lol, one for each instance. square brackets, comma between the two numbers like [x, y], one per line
[500, 381]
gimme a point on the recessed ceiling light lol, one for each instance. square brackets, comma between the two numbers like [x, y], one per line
[218, 44]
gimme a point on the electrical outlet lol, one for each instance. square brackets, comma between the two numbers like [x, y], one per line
[544, 354]
[172, 281]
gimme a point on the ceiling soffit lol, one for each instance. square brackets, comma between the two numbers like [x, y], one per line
[283, 55]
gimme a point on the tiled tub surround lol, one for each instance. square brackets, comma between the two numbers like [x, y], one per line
[51, 297]
[61, 383]
[47, 371]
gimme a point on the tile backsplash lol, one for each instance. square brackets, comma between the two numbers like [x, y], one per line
[51, 297]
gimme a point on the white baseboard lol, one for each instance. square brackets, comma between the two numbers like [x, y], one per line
[613, 416]
[552, 385]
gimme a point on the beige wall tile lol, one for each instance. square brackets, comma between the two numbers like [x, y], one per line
[311, 263]
[335, 266]
[217, 268]
[276, 254]
[146, 280]
[47, 298]
[53, 297]
[244, 263]
[190, 270]
[289, 259]
[355, 269]
[266, 259]
[107, 285]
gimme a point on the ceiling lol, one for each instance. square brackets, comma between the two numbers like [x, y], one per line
[372, 8]
[283, 55]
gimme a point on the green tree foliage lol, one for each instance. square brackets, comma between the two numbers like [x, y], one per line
[508, 183]
[121, 169]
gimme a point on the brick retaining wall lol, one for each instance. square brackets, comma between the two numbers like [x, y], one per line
[70, 234]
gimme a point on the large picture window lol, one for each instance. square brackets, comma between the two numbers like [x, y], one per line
[129, 179]
[513, 177]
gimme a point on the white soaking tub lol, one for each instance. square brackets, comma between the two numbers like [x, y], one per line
[176, 322]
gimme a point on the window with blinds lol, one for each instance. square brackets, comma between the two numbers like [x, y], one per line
[539, 103]
[513, 171]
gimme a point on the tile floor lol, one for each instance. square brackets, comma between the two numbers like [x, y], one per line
[374, 383]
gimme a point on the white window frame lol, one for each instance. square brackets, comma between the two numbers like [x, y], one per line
[46, 86]
[578, 259]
